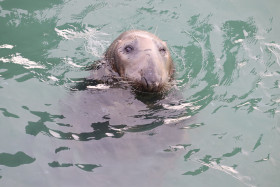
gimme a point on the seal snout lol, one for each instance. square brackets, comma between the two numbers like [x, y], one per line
[150, 81]
[151, 72]
[149, 85]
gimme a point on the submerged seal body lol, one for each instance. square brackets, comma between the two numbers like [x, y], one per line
[142, 59]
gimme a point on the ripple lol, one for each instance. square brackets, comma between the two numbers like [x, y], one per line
[6, 46]
[264, 159]
[61, 149]
[26, 63]
[177, 147]
[56, 164]
[87, 167]
[15, 160]
[258, 143]
[8, 114]
[95, 45]
[84, 167]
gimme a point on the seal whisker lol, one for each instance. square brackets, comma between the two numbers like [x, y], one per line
[155, 33]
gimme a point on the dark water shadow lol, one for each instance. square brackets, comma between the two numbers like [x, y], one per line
[15, 160]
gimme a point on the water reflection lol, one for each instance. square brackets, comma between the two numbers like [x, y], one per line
[235, 32]
[208, 77]
[222, 115]
[8, 114]
[85, 167]
[78, 113]
[198, 73]
[90, 113]
[15, 160]
[61, 149]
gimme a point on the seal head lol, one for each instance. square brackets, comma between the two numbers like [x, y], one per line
[142, 59]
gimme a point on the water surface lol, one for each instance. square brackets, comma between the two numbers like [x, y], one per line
[218, 126]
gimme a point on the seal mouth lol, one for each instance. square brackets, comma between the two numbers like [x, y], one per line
[143, 86]
[149, 86]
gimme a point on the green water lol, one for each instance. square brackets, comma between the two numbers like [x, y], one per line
[218, 126]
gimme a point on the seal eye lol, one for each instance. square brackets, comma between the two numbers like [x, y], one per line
[128, 49]
[162, 50]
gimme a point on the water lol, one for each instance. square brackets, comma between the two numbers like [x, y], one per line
[219, 126]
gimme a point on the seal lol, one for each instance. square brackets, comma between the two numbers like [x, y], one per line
[142, 59]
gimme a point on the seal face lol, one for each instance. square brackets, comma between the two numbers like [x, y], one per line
[142, 59]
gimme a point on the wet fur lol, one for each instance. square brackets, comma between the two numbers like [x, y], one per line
[107, 70]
